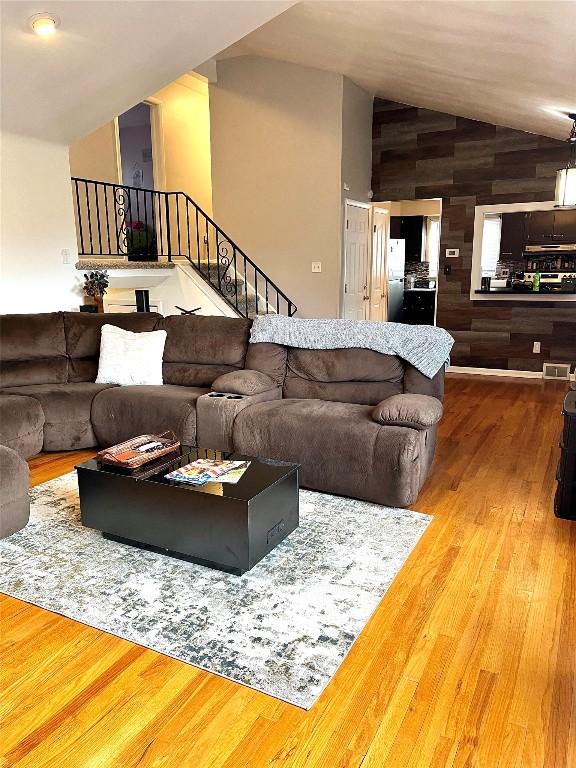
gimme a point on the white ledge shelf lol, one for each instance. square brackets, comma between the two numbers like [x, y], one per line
[124, 275]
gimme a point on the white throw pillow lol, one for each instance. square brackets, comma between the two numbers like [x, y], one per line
[130, 358]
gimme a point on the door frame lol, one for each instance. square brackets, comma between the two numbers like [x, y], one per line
[157, 136]
[379, 208]
[355, 204]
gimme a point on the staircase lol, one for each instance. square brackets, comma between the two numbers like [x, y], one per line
[118, 222]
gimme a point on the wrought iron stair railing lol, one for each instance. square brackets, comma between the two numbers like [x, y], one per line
[117, 221]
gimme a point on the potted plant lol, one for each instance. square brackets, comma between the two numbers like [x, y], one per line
[95, 285]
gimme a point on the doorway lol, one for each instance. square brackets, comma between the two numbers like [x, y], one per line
[415, 233]
[139, 203]
[356, 298]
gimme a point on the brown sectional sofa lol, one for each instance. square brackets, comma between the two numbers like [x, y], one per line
[314, 407]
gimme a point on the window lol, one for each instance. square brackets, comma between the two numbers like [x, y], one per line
[490, 244]
[433, 244]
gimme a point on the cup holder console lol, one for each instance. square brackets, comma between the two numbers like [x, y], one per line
[228, 397]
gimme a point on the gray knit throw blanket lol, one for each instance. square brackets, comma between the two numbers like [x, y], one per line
[425, 347]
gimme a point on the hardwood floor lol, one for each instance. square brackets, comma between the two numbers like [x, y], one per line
[470, 659]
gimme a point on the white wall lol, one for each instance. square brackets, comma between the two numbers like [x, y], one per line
[184, 288]
[276, 173]
[37, 223]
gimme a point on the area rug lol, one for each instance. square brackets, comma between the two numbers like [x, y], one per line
[283, 628]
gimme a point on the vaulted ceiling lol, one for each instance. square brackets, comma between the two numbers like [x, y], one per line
[509, 62]
[107, 55]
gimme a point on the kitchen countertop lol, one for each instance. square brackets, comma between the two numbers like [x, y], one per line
[428, 290]
[512, 292]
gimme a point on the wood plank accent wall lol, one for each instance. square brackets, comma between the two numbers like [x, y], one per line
[419, 154]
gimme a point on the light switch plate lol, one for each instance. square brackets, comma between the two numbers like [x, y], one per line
[452, 253]
[316, 266]
[65, 256]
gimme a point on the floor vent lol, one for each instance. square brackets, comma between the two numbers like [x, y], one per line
[556, 371]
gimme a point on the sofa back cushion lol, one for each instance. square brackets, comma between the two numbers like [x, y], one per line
[417, 384]
[199, 348]
[83, 330]
[32, 349]
[343, 375]
[269, 359]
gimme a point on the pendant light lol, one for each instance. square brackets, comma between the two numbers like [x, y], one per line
[566, 177]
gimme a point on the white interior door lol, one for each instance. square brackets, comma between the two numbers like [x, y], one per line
[378, 310]
[356, 262]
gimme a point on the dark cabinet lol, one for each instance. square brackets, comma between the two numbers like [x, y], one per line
[565, 226]
[419, 307]
[545, 227]
[512, 236]
[411, 230]
[565, 500]
[540, 227]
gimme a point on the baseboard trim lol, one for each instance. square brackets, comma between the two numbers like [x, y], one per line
[495, 372]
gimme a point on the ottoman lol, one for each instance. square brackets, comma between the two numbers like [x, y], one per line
[14, 501]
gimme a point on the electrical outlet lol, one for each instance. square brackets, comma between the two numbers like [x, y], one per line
[452, 253]
[65, 256]
[316, 266]
[536, 348]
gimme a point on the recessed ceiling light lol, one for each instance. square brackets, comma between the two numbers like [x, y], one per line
[44, 24]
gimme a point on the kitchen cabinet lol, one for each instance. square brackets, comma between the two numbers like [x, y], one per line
[545, 227]
[411, 230]
[419, 306]
[565, 226]
[512, 236]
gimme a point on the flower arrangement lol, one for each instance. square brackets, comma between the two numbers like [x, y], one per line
[96, 283]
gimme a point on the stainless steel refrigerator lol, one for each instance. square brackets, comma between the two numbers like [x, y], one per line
[395, 260]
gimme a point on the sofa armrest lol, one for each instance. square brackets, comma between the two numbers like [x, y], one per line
[217, 411]
[243, 382]
[414, 411]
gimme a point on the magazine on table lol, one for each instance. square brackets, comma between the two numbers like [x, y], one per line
[204, 471]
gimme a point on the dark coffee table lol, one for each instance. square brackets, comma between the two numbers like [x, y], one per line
[221, 525]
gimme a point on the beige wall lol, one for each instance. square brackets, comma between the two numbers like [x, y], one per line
[184, 164]
[95, 157]
[356, 141]
[432, 207]
[277, 171]
[36, 225]
[185, 127]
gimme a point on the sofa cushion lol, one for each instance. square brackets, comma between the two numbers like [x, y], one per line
[344, 375]
[21, 424]
[32, 349]
[82, 331]
[14, 500]
[130, 358]
[124, 412]
[201, 348]
[269, 359]
[244, 382]
[418, 384]
[66, 410]
[415, 411]
[341, 449]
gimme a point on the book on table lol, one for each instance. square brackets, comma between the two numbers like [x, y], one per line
[204, 471]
